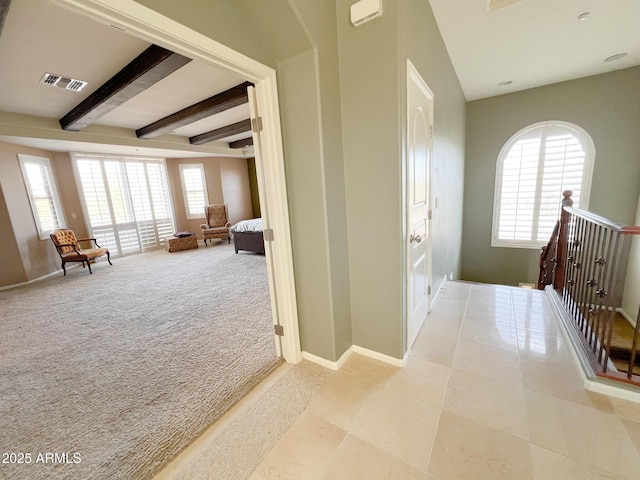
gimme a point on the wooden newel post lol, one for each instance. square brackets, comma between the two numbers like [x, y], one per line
[563, 234]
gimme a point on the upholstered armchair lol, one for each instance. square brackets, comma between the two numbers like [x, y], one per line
[69, 249]
[217, 225]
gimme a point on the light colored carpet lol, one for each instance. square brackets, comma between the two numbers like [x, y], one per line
[128, 365]
[235, 451]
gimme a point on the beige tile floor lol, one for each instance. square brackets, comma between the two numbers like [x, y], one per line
[489, 391]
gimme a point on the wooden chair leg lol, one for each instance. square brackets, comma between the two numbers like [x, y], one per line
[89, 265]
[63, 268]
[109, 258]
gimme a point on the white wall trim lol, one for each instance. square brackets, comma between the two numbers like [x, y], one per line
[145, 23]
[397, 362]
[151, 26]
[29, 282]
[328, 363]
[616, 391]
[590, 381]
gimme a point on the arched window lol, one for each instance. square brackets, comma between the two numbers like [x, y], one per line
[534, 167]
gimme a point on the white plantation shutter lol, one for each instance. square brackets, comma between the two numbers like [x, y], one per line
[534, 167]
[43, 194]
[127, 201]
[195, 189]
[160, 200]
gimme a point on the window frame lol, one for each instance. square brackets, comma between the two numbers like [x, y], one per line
[185, 196]
[585, 190]
[54, 197]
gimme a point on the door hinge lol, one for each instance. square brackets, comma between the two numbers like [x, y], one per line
[429, 215]
[256, 124]
[278, 330]
[430, 131]
[267, 234]
[429, 290]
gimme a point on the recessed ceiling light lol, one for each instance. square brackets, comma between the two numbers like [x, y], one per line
[583, 16]
[504, 84]
[617, 56]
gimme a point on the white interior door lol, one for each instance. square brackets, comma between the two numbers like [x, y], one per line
[418, 208]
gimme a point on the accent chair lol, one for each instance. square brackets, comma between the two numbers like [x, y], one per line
[217, 225]
[69, 249]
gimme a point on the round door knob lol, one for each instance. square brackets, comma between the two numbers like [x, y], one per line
[415, 238]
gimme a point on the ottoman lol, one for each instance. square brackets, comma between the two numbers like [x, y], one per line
[177, 244]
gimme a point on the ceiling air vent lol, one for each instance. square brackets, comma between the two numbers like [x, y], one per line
[63, 82]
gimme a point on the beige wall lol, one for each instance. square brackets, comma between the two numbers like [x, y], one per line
[227, 182]
[26, 257]
[12, 271]
[606, 106]
[38, 257]
[69, 195]
[236, 189]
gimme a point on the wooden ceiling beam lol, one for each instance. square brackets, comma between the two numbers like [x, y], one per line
[223, 132]
[148, 68]
[211, 106]
[245, 142]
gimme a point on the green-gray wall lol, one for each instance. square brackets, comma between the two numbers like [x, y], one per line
[373, 83]
[371, 130]
[341, 98]
[299, 39]
[341, 92]
[302, 35]
[607, 106]
[421, 42]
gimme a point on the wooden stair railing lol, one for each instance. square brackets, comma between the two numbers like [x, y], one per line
[548, 259]
[585, 262]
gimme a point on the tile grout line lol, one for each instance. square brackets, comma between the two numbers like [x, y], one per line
[446, 388]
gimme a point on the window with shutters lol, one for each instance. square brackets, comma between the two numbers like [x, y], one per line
[126, 201]
[194, 189]
[43, 194]
[533, 169]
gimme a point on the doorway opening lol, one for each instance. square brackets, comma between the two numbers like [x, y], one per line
[151, 26]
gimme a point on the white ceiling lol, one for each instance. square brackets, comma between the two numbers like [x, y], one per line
[535, 42]
[39, 37]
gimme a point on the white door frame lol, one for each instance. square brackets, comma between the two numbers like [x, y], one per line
[149, 25]
[413, 76]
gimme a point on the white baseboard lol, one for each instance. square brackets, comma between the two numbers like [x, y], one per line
[328, 363]
[589, 379]
[16, 285]
[617, 391]
[398, 362]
